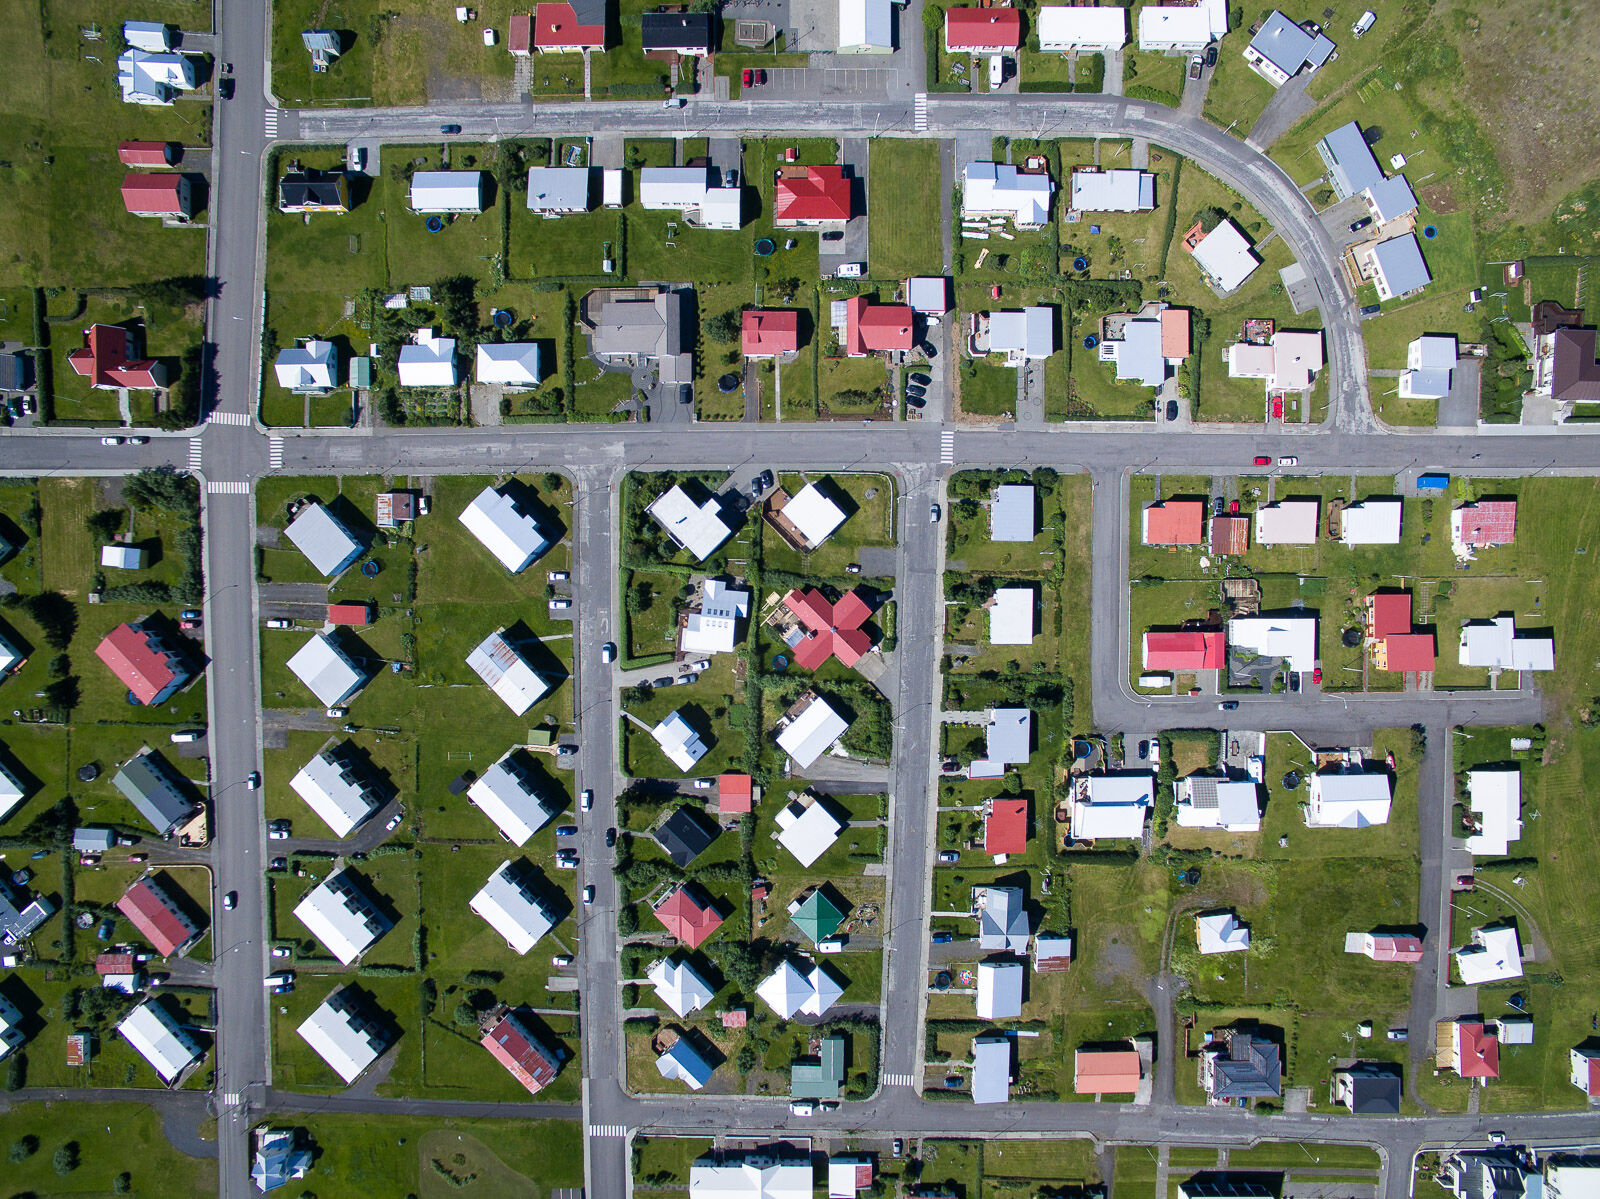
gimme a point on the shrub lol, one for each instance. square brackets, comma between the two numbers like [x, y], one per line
[23, 1148]
[65, 1159]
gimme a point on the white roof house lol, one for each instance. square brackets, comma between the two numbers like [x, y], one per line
[509, 675]
[1007, 739]
[327, 671]
[685, 1064]
[506, 794]
[1289, 522]
[928, 293]
[348, 1038]
[691, 190]
[807, 830]
[339, 793]
[1203, 802]
[428, 362]
[1002, 920]
[1495, 644]
[11, 1034]
[1355, 800]
[121, 557]
[1011, 616]
[866, 27]
[1495, 797]
[999, 990]
[341, 915]
[1223, 255]
[311, 366]
[810, 991]
[12, 795]
[1430, 365]
[555, 190]
[153, 36]
[153, 77]
[991, 1069]
[812, 733]
[447, 191]
[1188, 28]
[679, 985]
[699, 529]
[1492, 956]
[168, 1047]
[1111, 805]
[1022, 335]
[514, 365]
[714, 628]
[813, 514]
[325, 542]
[508, 533]
[1372, 521]
[1221, 932]
[1290, 362]
[750, 1176]
[1121, 189]
[1292, 638]
[1011, 513]
[1064, 30]
[513, 908]
[1000, 189]
[679, 741]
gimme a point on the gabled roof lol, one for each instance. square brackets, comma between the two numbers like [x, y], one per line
[688, 914]
[1391, 612]
[326, 670]
[429, 362]
[143, 154]
[811, 194]
[1288, 47]
[1174, 522]
[675, 31]
[152, 909]
[530, 1061]
[167, 1046]
[1105, 1071]
[1400, 264]
[514, 363]
[1477, 1050]
[1003, 922]
[982, 28]
[1189, 649]
[1485, 523]
[1221, 932]
[155, 194]
[513, 903]
[342, 913]
[337, 789]
[506, 529]
[684, 1063]
[679, 985]
[322, 537]
[812, 732]
[679, 740]
[1226, 256]
[138, 657]
[808, 830]
[558, 25]
[503, 666]
[1574, 373]
[1409, 652]
[507, 794]
[832, 629]
[769, 331]
[808, 990]
[734, 793]
[1000, 990]
[1005, 828]
[873, 327]
[1373, 1089]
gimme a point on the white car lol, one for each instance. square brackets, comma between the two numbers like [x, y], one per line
[608, 653]
[111, 441]
[566, 861]
[703, 664]
[588, 894]
[586, 800]
[279, 623]
[561, 959]
[1288, 460]
[278, 951]
[336, 713]
[559, 576]
[803, 1107]
[394, 821]
[702, 784]
[560, 605]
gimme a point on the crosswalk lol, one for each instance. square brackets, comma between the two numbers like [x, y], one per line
[228, 487]
[272, 123]
[228, 418]
[947, 446]
[275, 453]
[194, 453]
[231, 1098]
[920, 112]
[899, 1080]
[609, 1131]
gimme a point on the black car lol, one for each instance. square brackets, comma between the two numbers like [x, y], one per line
[1218, 506]
[914, 390]
[665, 680]
[766, 478]
[449, 128]
[1229, 705]
[928, 351]
[833, 235]
[225, 89]
[1369, 310]
[1172, 409]
[1358, 226]
[916, 401]
[1211, 55]
[922, 380]
[611, 838]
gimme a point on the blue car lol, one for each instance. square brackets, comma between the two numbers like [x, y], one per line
[943, 938]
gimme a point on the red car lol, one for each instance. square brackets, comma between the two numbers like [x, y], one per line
[1316, 675]
[1277, 408]
[747, 77]
[761, 76]
[1233, 508]
[1261, 460]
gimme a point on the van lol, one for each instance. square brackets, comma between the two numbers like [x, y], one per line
[283, 978]
[186, 735]
[280, 624]
[832, 945]
[997, 71]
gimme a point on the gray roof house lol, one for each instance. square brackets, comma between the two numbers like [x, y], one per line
[1011, 513]
[555, 190]
[1241, 1065]
[1354, 171]
[1008, 737]
[1430, 363]
[632, 325]
[1003, 922]
[154, 787]
[1397, 266]
[1023, 335]
[991, 1069]
[1281, 49]
[322, 538]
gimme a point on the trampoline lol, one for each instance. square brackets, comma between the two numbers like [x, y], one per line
[435, 224]
[765, 246]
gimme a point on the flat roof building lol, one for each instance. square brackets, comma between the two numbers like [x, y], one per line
[1225, 256]
[1120, 189]
[1348, 800]
[1182, 28]
[1205, 802]
[1372, 521]
[1496, 645]
[1067, 29]
[1495, 799]
[1106, 1072]
[813, 516]
[447, 191]
[507, 526]
[511, 365]
[342, 913]
[1011, 513]
[514, 904]
[1008, 741]
[1011, 616]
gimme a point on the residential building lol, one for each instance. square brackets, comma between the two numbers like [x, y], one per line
[1571, 1176]
[982, 30]
[18, 922]
[280, 1158]
[1497, 645]
[713, 628]
[147, 154]
[735, 794]
[1005, 826]
[1368, 1088]
[514, 903]
[1490, 1174]
[514, 1045]
[346, 1033]
[1110, 806]
[769, 332]
[1290, 637]
[167, 196]
[1221, 932]
[158, 1037]
[1281, 49]
[991, 1069]
[1430, 368]
[337, 786]
[1145, 346]
[327, 671]
[1011, 616]
[391, 509]
[1174, 522]
[508, 672]
[685, 1064]
[1002, 920]
[698, 528]
[1011, 513]
[808, 827]
[999, 990]
[562, 28]
[314, 191]
[1230, 805]
[811, 197]
[807, 990]
[318, 534]
[323, 45]
[144, 661]
[1348, 800]
[1372, 521]
[679, 985]
[877, 328]
[1396, 266]
[507, 525]
[1494, 797]
[1468, 1046]
[1001, 190]
[818, 916]
[1483, 524]
[1022, 335]
[775, 1172]
[684, 834]
[1224, 255]
[696, 192]
[1287, 522]
[1185, 650]
[150, 36]
[154, 77]
[1008, 740]
[929, 294]
[308, 368]
[511, 365]
[509, 794]
[1385, 947]
[1065, 29]
[631, 326]
[1231, 1186]
[688, 914]
[428, 361]
[685, 34]
[109, 359]
[153, 906]
[1289, 362]
[1121, 189]
[680, 742]
[1182, 28]
[1405, 653]
[1565, 367]
[447, 192]
[343, 913]
[827, 629]
[556, 191]
[1239, 1064]
[12, 792]
[820, 1076]
[1493, 955]
[809, 729]
[1106, 1071]
[1585, 1062]
[92, 839]
[1353, 171]
[866, 27]
[156, 789]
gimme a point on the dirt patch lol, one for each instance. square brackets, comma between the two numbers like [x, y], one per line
[1116, 961]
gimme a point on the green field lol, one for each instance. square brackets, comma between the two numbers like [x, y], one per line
[903, 209]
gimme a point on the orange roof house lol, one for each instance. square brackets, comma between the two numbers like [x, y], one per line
[982, 30]
[804, 196]
[1005, 829]
[871, 328]
[1174, 522]
[1174, 333]
[1405, 652]
[1187, 649]
[689, 915]
[106, 358]
[768, 332]
[831, 630]
[1105, 1072]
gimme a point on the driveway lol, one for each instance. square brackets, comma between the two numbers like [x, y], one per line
[1459, 409]
[1283, 112]
[853, 152]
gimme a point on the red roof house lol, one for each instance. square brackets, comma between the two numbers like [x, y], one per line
[1189, 649]
[145, 154]
[355, 615]
[982, 30]
[531, 1063]
[1005, 829]
[1488, 522]
[115, 963]
[688, 915]
[106, 357]
[1585, 1070]
[1388, 612]
[142, 662]
[768, 332]
[870, 328]
[157, 195]
[1395, 947]
[152, 909]
[557, 29]
[1106, 1072]
[1477, 1051]
[1174, 522]
[1407, 652]
[832, 630]
[804, 196]
[734, 794]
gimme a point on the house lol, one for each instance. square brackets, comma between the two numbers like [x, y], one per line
[684, 834]
[327, 544]
[1515, 1030]
[807, 519]
[866, 27]
[1144, 346]
[92, 839]
[18, 922]
[876, 328]
[1395, 266]
[346, 1033]
[1221, 932]
[1289, 362]
[1002, 920]
[11, 1034]
[807, 990]
[679, 985]
[1008, 740]
[1005, 826]
[309, 368]
[339, 789]
[1109, 806]
[108, 360]
[507, 671]
[811, 197]
[353, 615]
[1372, 521]
[687, 34]
[1481, 525]
[1011, 616]
[1585, 1062]
[119, 557]
[1282, 49]
[1368, 1088]
[447, 192]
[1570, 1176]
[391, 509]
[679, 741]
[1493, 955]
[327, 671]
[1468, 1046]
[152, 36]
[1405, 653]
[156, 1034]
[735, 794]
[809, 729]
[507, 526]
[1385, 947]
[688, 914]
[1353, 171]
[1496, 645]
[155, 788]
[1492, 1174]
[820, 1076]
[343, 914]
[774, 1172]
[685, 1064]
[1239, 1064]
[1174, 522]
[630, 326]
[1182, 28]
[807, 828]
[1073, 30]
[511, 365]
[1565, 366]
[1348, 800]
[713, 628]
[698, 528]
[1224, 255]
[1495, 799]
[769, 332]
[509, 794]
[1288, 522]
[828, 629]
[280, 1157]
[154, 909]
[563, 28]
[696, 192]
[1022, 335]
[1106, 1071]
[428, 362]
[999, 990]
[1121, 189]
[1231, 1186]
[1430, 368]
[158, 195]
[514, 904]
[314, 191]
[1292, 638]
[817, 916]
[928, 294]
[154, 77]
[1205, 802]
[514, 1045]
[982, 30]
[323, 45]
[1011, 513]
[991, 1069]
[553, 191]
[1185, 650]
[1001, 190]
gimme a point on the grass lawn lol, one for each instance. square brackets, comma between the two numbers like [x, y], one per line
[573, 244]
[903, 208]
[1237, 94]
[110, 1137]
[701, 256]
[988, 389]
[841, 382]
[1127, 240]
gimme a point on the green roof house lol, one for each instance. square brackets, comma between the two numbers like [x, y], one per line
[817, 916]
[819, 1077]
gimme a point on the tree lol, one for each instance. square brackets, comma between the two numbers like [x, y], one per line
[56, 615]
[106, 523]
[65, 1159]
[466, 1015]
[639, 693]
[725, 327]
[122, 1184]
[23, 1148]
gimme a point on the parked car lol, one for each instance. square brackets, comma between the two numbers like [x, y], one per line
[833, 235]
[761, 75]
[1172, 409]
[916, 402]
[1316, 675]
[336, 713]
[1218, 506]
[665, 680]
[611, 838]
[933, 514]
[1397, 1034]
[111, 441]
[1496, 1137]
[898, 1148]
[851, 270]
[1233, 508]
[701, 784]
[278, 951]
[1211, 55]
[1370, 309]
[449, 128]
[107, 927]
[588, 894]
[566, 830]
[561, 959]
[1144, 750]
[730, 178]
[997, 71]
[277, 834]
[928, 350]
[1358, 226]
[394, 821]
[586, 800]
[1195, 64]
[566, 860]
[854, 568]
[279, 623]
[949, 857]
[943, 938]
[283, 988]
[1228, 705]
[921, 380]
[766, 478]
[913, 389]
[185, 735]
[1277, 407]
[1465, 882]
[252, 781]
[747, 77]
[279, 864]
[674, 102]
[1261, 460]
[189, 614]
[559, 576]
[560, 605]
[702, 664]
[230, 901]
[225, 89]
[608, 653]
[1288, 460]
[802, 1107]
[683, 680]
[138, 857]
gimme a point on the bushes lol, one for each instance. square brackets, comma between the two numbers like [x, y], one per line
[1155, 95]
